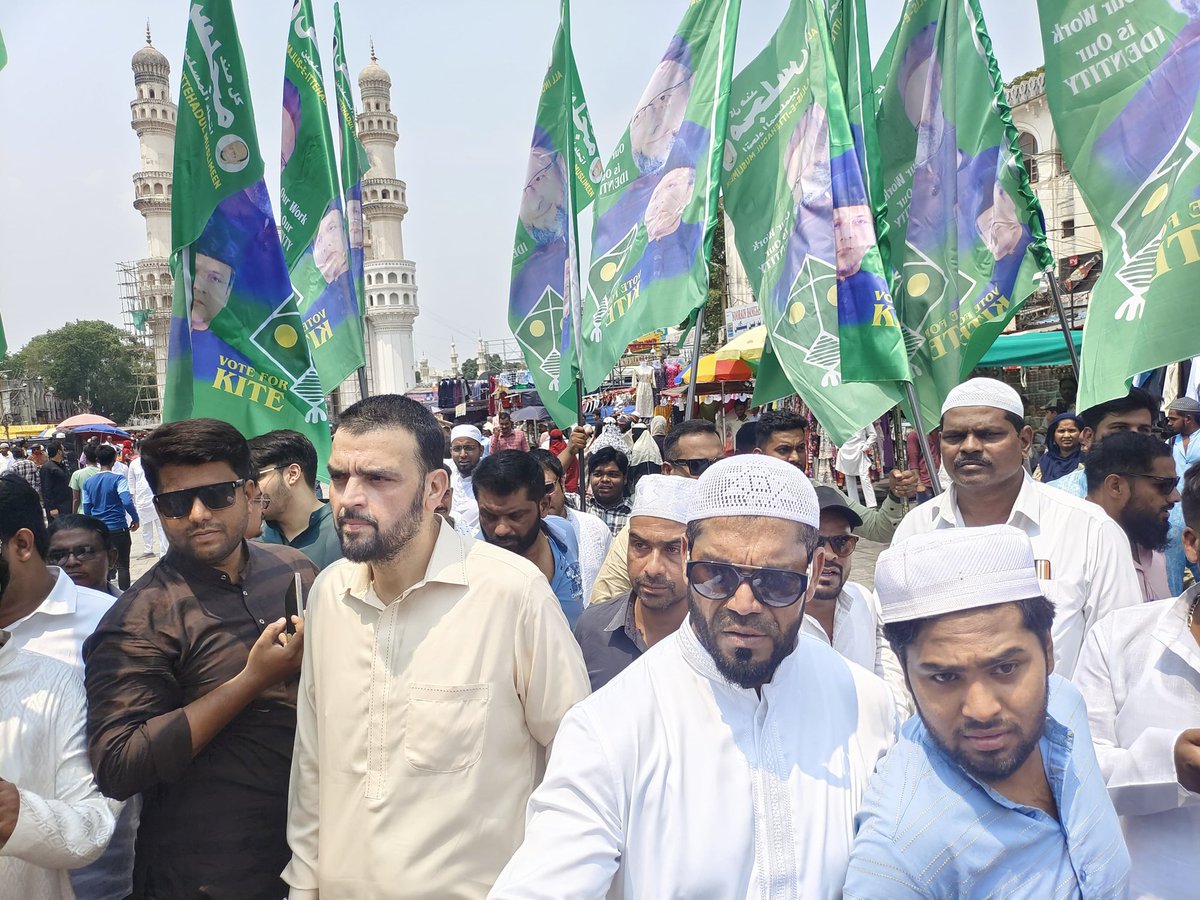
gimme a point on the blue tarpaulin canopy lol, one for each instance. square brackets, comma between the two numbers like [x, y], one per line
[1031, 348]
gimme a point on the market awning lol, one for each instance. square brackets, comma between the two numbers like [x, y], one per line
[1031, 348]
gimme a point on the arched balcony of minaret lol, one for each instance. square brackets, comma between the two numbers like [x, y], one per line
[152, 190]
[150, 116]
[377, 127]
[385, 198]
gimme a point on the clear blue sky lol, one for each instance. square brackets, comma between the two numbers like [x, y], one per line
[465, 78]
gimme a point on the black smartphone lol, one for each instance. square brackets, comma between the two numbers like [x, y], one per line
[293, 602]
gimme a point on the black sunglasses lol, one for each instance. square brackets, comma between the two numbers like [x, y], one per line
[720, 581]
[695, 467]
[177, 504]
[1164, 484]
[841, 545]
[82, 554]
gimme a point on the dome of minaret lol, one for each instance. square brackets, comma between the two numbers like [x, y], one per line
[374, 72]
[148, 60]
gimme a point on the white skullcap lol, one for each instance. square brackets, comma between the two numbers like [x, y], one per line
[985, 392]
[955, 569]
[754, 485]
[467, 431]
[663, 497]
[610, 437]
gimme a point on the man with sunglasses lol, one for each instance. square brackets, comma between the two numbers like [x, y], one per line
[728, 761]
[1132, 477]
[1083, 556]
[687, 451]
[191, 679]
[845, 614]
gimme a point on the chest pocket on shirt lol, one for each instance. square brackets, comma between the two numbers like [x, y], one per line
[446, 726]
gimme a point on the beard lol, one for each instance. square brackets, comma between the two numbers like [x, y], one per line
[832, 593]
[380, 546]
[990, 768]
[1146, 528]
[518, 543]
[673, 593]
[741, 669]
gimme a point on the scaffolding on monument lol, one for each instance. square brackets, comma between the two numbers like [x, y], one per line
[135, 317]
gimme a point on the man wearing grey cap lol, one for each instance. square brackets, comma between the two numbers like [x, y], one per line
[1084, 561]
[466, 450]
[1183, 418]
[614, 634]
[993, 789]
[730, 759]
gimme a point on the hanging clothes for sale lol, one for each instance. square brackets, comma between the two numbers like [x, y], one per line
[643, 380]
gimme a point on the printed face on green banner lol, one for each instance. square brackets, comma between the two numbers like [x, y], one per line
[657, 200]
[1121, 80]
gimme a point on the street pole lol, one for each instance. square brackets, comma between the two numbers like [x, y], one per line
[691, 392]
[573, 280]
[362, 382]
[935, 484]
[1062, 320]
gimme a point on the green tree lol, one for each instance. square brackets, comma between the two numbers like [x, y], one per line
[714, 307]
[469, 369]
[495, 363]
[90, 361]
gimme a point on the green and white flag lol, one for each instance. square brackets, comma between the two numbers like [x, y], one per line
[3, 52]
[656, 212]
[353, 160]
[237, 350]
[315, 239]
[3, 340]
[793, 189]
[560, 180]
[966, 233]
[1122, 81]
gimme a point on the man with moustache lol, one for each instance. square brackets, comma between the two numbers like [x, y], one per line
[513, 504]
[437, 670]
[730, 759]
[612, 635]
[1132, 478]
[1083, 556]
[993, 789]
[466, 450]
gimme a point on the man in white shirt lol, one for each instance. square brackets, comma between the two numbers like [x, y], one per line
[466, 450]
[845, 614]
[1140, 675]
[6, 457]
[436, 671]
[729, 760]
[1083, 557]
[154, 542]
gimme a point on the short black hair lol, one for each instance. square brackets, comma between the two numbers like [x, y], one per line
[194, 442]
[606, 455]
[89, 452]
[774, 420]
[82, 522]
[21, 507]
[1134, 400]
[746, 438]
[507, 472]
[53, 448]
[106, 455]
[1124, 452]
[682, 430]
[1037, 615]
[283, 448]
[394, 411]
[1191, 496]
[548, 460]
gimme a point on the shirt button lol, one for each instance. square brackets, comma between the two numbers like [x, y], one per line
[245, 593]
[262, 621]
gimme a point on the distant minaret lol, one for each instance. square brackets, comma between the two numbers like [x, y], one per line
[391, 280]
[154, 123]
[481, 359]
[453, 360]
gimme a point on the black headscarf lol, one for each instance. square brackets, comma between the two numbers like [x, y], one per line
[1053, 463]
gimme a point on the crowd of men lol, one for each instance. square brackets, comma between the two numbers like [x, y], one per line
[459, 675]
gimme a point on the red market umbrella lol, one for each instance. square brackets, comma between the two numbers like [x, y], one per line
[85, 419]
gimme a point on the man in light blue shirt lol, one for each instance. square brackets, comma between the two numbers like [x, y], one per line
[993, 789]
[106, 496]
[512, 501]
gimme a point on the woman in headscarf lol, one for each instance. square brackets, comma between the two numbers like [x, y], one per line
[1063, 449]
[658, 431]
[645, 459]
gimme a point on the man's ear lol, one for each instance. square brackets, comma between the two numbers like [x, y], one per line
[436, 483]
[1026, 436]
[544, 506]
[1085, 438]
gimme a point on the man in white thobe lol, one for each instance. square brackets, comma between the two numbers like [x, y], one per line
[466, 450]
[730, 759]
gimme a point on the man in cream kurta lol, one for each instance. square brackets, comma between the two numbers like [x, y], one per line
[424, 715]
[676, 780]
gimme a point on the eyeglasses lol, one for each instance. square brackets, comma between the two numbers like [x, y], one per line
[695, 467]
[177, 504]
[550, 486]
[82, 554]
[720, 581]
[841, 545]
[1164, 484]
[262, 472]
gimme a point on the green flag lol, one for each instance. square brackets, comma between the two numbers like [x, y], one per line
[3, 340]
[313, 229]
[966, 233]
[1122, 81]
[237, 350]
[560, 180]
[656, 212]
[354, 162]
[139, 318]
[3, 52]
[792, 173]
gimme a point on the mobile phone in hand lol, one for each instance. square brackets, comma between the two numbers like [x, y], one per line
[293, 603]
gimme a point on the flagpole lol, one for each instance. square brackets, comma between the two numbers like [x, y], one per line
[935, 483]
[573, 283]
[697, 334]
[362, 382]
[1062, 321]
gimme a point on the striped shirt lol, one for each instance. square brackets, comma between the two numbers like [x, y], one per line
[928, 829]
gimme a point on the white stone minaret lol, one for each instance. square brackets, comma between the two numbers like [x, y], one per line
[391, 280]
[154, 123]
[453, 360]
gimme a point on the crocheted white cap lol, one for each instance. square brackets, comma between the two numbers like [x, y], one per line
[955, 569]
[754, 485]
[467, 431]
[985, 392]
[663, 497]
[610, 437]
